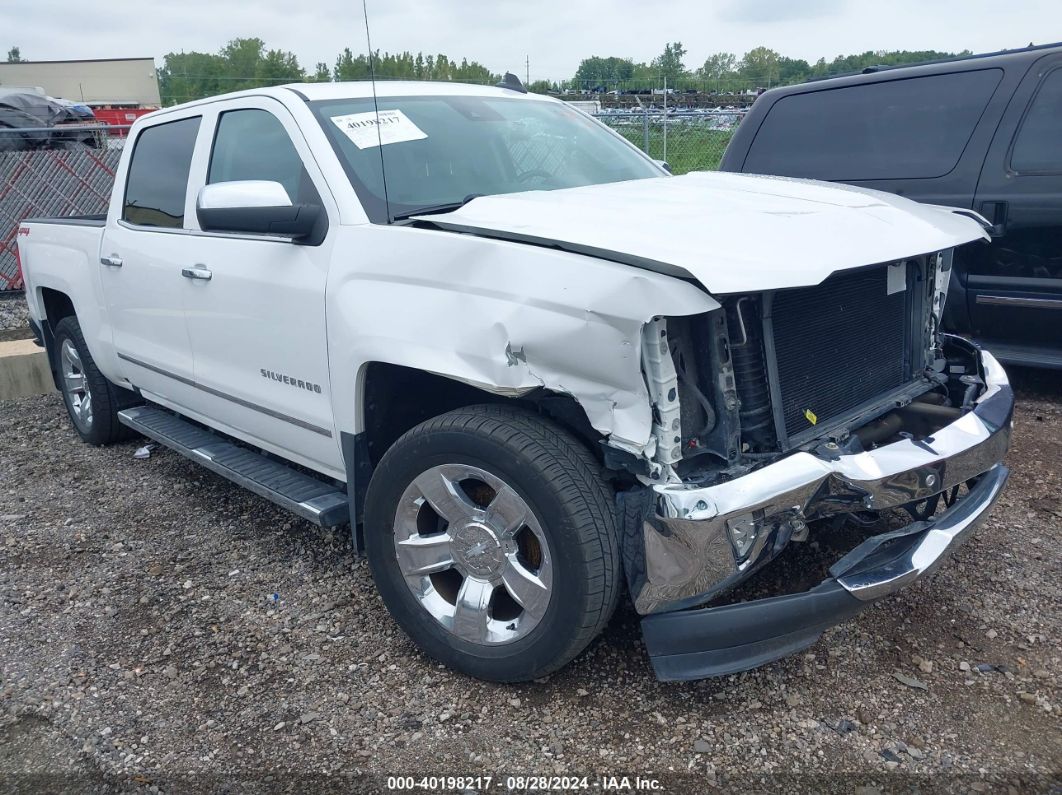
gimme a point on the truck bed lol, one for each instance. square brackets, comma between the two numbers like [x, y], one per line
[61, 255]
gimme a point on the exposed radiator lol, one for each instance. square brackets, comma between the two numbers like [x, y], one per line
[839, 345]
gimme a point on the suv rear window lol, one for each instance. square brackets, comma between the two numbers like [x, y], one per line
[900, 129]
[158, 174]
[1038, 147]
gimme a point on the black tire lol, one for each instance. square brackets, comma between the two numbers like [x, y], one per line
[560, 482]
[107, 399]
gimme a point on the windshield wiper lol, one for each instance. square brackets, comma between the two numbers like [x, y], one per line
[437, 208]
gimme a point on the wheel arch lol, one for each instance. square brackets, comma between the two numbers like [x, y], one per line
[391, 399]
[394, 398]
[56, 305]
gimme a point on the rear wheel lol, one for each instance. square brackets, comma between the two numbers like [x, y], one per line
[91, 400]
[491, 537]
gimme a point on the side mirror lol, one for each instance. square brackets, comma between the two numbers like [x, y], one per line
[664, 165]
[255, 207]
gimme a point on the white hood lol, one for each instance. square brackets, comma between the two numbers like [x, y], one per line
[732, 232]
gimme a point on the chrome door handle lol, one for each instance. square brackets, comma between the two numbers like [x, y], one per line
[113, 261]
[198, 272]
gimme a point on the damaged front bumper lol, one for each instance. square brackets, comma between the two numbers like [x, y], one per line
[698, 542]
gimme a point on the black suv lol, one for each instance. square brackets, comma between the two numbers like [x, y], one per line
[983, 133]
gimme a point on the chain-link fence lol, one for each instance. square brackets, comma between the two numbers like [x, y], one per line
[52, 172]
[48, 173]
[689, 140]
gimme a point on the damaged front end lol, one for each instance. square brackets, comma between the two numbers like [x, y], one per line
[784, 407]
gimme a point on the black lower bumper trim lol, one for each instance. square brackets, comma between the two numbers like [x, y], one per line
[694, 644]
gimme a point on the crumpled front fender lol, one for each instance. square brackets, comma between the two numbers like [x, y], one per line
[504, 317]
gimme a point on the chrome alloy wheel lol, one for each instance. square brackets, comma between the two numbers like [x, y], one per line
[473, 554]
[75, 385]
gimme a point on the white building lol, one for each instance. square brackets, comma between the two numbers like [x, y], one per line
[129, 82]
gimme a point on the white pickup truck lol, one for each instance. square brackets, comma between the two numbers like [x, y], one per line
[527, 365]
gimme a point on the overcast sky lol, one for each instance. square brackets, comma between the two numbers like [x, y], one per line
[555, 34]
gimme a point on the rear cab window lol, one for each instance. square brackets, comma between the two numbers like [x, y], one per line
[157, 182]
[914, 128]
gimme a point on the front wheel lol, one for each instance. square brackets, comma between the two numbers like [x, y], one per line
[491, 536]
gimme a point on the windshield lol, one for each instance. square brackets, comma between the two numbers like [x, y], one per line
[442, 150]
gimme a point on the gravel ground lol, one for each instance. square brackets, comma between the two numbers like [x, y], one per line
[14, 316]
[161, 629]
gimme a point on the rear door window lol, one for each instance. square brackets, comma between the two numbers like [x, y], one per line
[157, 183]
[900, 129]
[1038, 145]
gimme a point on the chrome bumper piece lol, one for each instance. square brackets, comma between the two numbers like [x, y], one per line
[701, 541]
[872, 570]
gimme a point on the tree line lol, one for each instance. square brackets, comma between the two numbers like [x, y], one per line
[248, 63]
[760, 67]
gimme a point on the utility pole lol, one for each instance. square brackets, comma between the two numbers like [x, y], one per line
[527, 70]
[665, 116]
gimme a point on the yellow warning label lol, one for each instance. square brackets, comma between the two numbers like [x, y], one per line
[811, 416]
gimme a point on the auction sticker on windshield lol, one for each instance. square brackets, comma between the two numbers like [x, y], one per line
[372, 129]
